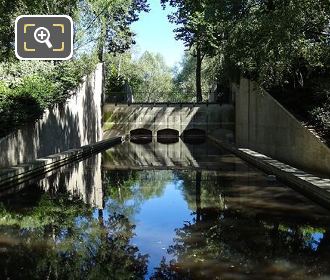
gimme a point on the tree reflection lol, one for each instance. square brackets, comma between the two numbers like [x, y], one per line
[229, 243]
[126, 191]
[60, 238]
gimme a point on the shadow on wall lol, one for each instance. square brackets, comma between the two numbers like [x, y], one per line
[264, 125]
[66, 126]
[214, 119]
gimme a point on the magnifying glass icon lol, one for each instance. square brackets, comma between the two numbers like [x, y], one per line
[41, 35]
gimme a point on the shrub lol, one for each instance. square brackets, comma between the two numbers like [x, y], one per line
[321, 118]
[26, 102]
[42, 90]
[28, 88]
[70, 73]
[14, 72]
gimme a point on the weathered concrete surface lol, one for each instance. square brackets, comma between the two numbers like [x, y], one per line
[265, 126]
[67, 126]
[212, 118]
[315, 188]
[83, 179]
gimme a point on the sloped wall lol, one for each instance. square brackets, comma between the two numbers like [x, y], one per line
[70, 125]
[264, 125]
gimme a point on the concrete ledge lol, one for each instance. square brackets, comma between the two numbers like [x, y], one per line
[313, 187]
[16, 175]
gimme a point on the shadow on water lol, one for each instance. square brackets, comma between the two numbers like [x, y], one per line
[141, 140]
[175, 211]
[168, 136]
[194, 136]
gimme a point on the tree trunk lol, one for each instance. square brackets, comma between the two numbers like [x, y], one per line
[198, 195]
[101, 42]
[199, 95]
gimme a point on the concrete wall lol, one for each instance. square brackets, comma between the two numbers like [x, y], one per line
[213, 118]
[263, 125]
[70, 125]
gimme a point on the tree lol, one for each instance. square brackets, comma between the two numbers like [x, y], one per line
[271, 41]
[193, 30]
[111, 23]
[156, 77]
[10, 9]
[105, 21]
[185, 78]
[150, 78]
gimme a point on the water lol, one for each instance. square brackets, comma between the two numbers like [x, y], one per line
[162, 212]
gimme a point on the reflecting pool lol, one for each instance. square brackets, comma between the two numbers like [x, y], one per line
[160, 211]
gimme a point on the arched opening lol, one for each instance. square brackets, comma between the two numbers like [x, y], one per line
[167, 136]
[141, 136]
[194, 136]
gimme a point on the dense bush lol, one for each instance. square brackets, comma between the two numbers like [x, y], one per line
[70, 74]
[310, 104]
[319, 114]
[28, 88]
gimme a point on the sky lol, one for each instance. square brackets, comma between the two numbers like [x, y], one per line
[155, 34]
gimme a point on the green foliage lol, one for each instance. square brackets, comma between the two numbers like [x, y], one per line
[26, 101]
[270, 41]
[38, 88]
[195, 31]
[120, 68]
[321, 116]
[28, 88]
[10, 9]
[70, 73]
[12, 73]
[319, 113]
[185, 76]
[60, 238]
[3, 88]
[104, 21]
[108, 23]
[279, 44]
[56, 212]
[150, 79]
[156, 79]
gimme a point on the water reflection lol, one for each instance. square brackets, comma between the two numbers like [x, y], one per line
[230, 241]
[155, 155]
[194, 222]
[81, 179]
[61, 239]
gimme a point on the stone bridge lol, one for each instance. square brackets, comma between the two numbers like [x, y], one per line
[210, 118]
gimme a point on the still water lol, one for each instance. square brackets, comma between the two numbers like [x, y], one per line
[160, 211]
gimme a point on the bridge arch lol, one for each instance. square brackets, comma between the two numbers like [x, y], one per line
[141, 136]
[168, 136]
[193, 135]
